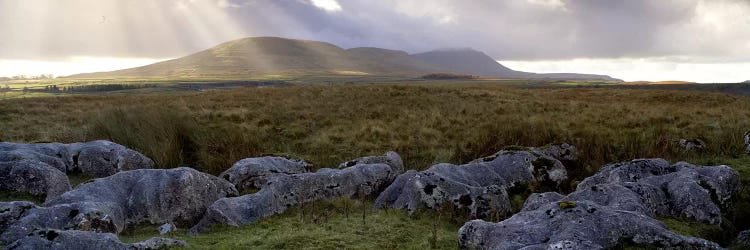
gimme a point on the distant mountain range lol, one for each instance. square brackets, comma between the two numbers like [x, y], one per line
[258, 56]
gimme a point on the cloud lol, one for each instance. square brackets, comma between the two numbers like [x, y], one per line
[327, 5]
[708, 30]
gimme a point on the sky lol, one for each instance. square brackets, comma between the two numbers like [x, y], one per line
[691, 40]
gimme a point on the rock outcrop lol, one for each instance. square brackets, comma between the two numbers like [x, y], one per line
[253, 173]
[747, 142]
[742, 241]
[85, 240]
[364, 178]
[109, 204]
[10, 212]
[691, 144]
[95, 159]
[33, 177]
[481, 186]
[576, 225]
[616, 206]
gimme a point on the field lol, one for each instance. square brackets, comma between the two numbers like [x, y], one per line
[426, 122]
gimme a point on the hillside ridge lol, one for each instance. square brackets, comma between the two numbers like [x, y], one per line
[258, 56]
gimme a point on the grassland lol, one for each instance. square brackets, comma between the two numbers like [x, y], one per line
[326, 225]
[425, 122]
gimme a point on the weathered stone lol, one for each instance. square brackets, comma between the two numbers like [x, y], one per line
[84, 240]
[177, 195]
[109, 204]
[96, 158]
[654, 187]
[284, 191]
[615, 206]
[742, 241]
[167, 228]
[691, 144]
[33, 177]
[585, 226]
[253, 173]
[95, 217]
[104, 158]
[747, 142]
[10, 212]
[391, 158]
[562, 152]
[481, 186]
[536, 200]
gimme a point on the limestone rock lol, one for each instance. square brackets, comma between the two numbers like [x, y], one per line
[480, 186]
[109, 204]
[742, 241]
[253, 173]
[284, 191]
[691, 144]
[585, 226]
[177, 195]
[84, 240]
[654, 187]
[167, 228]
[95, 159]
[10, 212]
[617, 205]
[33, 177]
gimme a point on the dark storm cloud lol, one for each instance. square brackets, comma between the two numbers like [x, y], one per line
[513, 29]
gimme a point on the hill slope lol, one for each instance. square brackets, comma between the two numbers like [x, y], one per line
[474, 62]
[259, 56]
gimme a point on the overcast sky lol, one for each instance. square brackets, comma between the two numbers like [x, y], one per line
[697, 40]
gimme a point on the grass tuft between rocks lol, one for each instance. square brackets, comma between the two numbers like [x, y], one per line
[324, 225]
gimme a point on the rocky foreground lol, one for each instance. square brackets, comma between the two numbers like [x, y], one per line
[616, 206]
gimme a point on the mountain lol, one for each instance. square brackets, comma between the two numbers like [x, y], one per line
[259, 56]
[657, 83]
[469, 61]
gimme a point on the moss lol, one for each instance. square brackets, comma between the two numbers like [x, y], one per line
[567, 204]
[543, 162]
[6, 196]
[692, 228]
[78, 179]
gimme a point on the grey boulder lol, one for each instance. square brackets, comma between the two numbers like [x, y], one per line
[253, 173]
[742, 241]
[84, 240]
[95, 158]
[482, 186]
[33, 177]
[654, 187]
[617, 205]
[747, 142]
[284, 191]
[110, 204]
[167, 228]
[691, 144]
[578, 225]
[10, 212]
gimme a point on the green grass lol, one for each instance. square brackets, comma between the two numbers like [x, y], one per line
[328, 227]
[6, 196]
